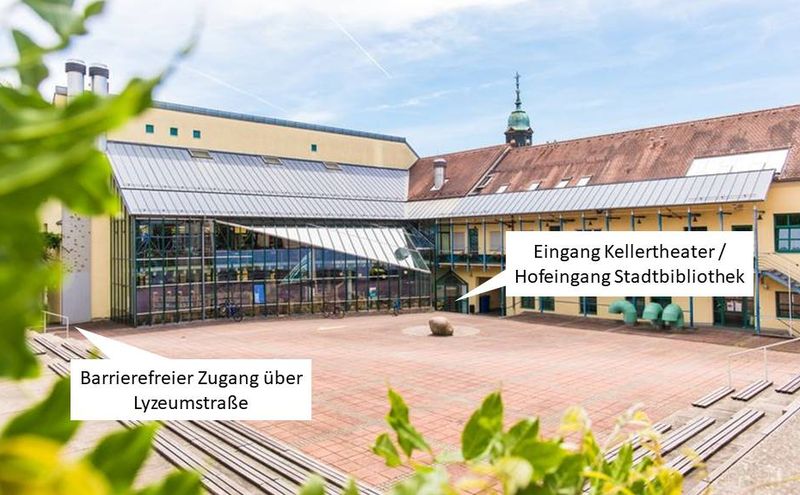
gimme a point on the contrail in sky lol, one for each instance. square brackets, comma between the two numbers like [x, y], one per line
[360, 47]
[234, 88]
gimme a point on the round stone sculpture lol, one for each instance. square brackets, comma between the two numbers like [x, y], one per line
[440, 326]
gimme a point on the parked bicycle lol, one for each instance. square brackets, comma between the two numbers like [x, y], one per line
[230, 310]
[333, 311]
[397, 305]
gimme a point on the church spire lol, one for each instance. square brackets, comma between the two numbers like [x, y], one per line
[518, 132]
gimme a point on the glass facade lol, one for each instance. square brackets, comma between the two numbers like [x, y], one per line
[184, 269]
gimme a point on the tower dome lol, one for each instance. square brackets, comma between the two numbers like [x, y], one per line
[519, 132]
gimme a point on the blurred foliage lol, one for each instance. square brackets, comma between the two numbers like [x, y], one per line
[48, 152]
[520, 460]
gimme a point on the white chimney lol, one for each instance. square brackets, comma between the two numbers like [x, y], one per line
[439, 166]
[75, 69]
[99, 75]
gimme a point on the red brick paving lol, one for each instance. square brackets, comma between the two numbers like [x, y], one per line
[541, 369]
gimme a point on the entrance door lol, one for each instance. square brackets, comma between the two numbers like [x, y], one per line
[734, 312]
[449, 288]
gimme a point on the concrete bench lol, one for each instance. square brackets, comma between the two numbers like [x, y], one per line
[678, 437]
[790, 387]
[752, 390]
[713, 397]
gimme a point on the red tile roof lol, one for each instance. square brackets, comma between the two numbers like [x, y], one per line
[655, 152]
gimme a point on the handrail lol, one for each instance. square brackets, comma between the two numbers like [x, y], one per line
[762, 348]
[65, 318]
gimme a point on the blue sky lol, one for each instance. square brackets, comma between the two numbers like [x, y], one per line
[440, 72]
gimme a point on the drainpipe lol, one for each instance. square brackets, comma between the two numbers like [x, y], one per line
[483, 222]
[608, 221]
[660, 221]
[539, 217]
[691, 299]
[721, 219]
[502, 265]
[452, 245]
[633, 221]
[757, 271]
[467, 251]
[560, 222]
[583, 221]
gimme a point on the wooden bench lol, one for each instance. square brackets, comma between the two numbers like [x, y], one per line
[35, 348]
[52, 347]
[229, 458]
[790, 387]
[740, 422]
[752, 390]
[678, 437]
[712, 397]
[635, 439]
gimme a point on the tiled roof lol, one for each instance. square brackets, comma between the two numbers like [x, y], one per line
[464, 169]
[650, 153]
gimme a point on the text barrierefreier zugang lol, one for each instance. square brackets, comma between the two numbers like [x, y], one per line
[200, 379]
[599, 255]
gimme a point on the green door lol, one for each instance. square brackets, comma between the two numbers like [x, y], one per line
[734, 312]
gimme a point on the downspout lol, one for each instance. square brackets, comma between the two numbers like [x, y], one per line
[608, 222]
[757, 271]
[452, 246]
[503, 308]
[483, 222]
[691, 299]
[633, 221]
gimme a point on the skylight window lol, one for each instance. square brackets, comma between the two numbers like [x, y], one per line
[741, 162]
[332, 166]
[484, 182]
[534, 185]
[195, 153]
[584, 180]
[271, 160]
[502, 188]
[563, 183]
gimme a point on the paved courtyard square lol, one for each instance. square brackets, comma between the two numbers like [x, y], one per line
[541, 367]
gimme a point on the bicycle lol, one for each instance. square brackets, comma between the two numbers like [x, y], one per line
[335, 312]
[230, 310]
[397, 305]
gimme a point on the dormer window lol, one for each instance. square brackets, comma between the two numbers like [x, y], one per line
[534, 185]
[563, 183]
[502, 188]
[584, 180]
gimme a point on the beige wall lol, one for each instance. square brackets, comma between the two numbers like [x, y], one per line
[264, 139]
[782, 198]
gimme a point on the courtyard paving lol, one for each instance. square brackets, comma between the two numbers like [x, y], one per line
[542, 368]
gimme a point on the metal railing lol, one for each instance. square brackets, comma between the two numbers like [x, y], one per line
[765, 360]
[61, 318]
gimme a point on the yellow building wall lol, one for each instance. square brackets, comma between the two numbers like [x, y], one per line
[101, 267]
[224, 134]
[782, 198]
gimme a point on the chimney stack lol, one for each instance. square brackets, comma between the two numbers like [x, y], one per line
[439, 166]
[76, 70]
[99, 75]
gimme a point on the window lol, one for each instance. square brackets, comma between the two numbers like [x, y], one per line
[173, 131]
[664, 301]
[496, 241]
[534, 185]
[696, 228]
[528, 303]
[584, 180]
[787, 233]
[459, 242]
[149, 128]
[444, 242]
[196, 134]
[473, 240]
[554, 228]
[502, 188]
[588, 305]
[484, 182]
[271, 160]
[314, 148]
[547, 303]
[332, 166]
[563, 183]
[195, 153]
[782, 305]
[742, 228]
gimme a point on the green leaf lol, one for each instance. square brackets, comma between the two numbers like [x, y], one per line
[408, 437]
[177, 483]
[313, 486]
[544, 456]
[385, 448]
[31, 67]
[483, 426]
[621, 466]
[351, 488]
[48, 419]
[120, 455]
[523, 432]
